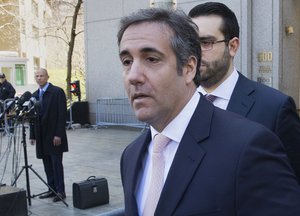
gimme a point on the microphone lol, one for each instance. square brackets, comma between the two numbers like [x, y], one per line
[20, 103]
[34, 103]
[25, 97]
[29, 106]
[9, 104]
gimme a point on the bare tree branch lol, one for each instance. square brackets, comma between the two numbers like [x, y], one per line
[5, 25]
[79, 32]
[58, 37]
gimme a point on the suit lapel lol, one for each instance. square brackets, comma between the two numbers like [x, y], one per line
[242, 99]
[47, 97]
[134, 168]
[187, 159]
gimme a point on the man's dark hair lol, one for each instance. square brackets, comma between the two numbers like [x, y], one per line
[230, 27]
[185, 40]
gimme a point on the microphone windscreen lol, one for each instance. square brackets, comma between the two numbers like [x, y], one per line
[33, 100]
[25, 97]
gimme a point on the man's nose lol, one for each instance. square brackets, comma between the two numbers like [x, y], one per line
[136, 73]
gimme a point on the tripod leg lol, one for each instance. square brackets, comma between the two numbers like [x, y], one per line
[15, 181]
[30, 167]
[26, 167]
[27, 182]
[71, 119]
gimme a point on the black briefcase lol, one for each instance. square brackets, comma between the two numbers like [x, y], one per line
[91, 192]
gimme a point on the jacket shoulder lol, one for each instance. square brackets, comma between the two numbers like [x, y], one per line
[54, 88]
[259, 89]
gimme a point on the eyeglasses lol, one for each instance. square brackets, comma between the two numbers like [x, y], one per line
[208, 45]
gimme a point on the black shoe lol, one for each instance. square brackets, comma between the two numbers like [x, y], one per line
[59, 197]
[47, 195]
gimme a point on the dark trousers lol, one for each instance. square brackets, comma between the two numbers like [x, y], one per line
[55, 172]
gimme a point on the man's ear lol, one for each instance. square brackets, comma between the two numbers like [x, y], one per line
[189, 70]
[233, 45]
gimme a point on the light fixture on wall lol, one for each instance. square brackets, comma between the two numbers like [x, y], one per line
[289, 30]
[168, 4]
[152, 2]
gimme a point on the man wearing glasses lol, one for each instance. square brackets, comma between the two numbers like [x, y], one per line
[230, 90]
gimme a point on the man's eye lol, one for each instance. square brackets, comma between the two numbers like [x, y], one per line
[152, 59]
[126, 62]
[206, 43]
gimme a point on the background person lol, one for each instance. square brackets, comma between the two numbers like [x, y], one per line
[219, 35]
[7, 91]
[48, 130]
[214, 162]
[6, 88]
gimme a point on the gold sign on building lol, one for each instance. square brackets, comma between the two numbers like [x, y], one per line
[265, 67]
[265, 57]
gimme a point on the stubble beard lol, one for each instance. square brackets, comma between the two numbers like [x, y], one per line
[215, 71]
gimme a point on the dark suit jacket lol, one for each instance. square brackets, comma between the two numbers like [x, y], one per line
[225, 165]
[271, 108]
[51, 123]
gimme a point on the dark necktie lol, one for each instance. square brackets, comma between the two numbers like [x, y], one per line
[210, 97]
[41, 93]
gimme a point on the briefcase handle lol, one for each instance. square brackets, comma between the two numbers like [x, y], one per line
[91, 177]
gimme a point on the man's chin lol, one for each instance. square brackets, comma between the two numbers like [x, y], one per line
[206, 83]
[142, 114]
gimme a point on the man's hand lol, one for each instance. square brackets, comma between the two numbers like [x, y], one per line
[56, 141]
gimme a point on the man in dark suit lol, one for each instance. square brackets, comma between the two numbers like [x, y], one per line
[195, 159]
[49, 133]
[219, 35]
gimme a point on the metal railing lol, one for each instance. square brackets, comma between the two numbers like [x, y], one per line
[116, 111]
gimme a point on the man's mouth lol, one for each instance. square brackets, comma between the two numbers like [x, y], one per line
[138, 96]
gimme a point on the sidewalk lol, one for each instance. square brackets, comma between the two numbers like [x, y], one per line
[92, 152]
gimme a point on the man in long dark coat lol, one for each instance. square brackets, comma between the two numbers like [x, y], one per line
[49, 133]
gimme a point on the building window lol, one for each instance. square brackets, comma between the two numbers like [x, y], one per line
[44, 16]
[20, 74]
[49, 2]
[35, 8]
[23, 26]
[36, 62]
[35, 32]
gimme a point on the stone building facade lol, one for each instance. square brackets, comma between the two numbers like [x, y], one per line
[269, 52]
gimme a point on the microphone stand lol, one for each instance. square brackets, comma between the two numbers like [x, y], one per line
[71, 116]
[27, 167]
[6, 107]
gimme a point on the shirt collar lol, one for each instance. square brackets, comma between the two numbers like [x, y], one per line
[176, 128]
[45, 87]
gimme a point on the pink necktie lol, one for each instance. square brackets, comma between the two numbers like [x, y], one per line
[210, 97]
[157, 177]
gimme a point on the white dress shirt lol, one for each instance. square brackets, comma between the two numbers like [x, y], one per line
[174, 130]
[223, 91]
